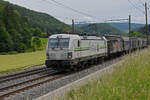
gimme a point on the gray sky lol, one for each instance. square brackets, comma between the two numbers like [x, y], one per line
[99, 10]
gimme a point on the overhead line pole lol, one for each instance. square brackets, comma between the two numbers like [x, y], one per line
[129, 25]
[146, 18]
[73, 26]
[129, 30]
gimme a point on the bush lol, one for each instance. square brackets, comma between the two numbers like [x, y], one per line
[36, 44]
[12, 52]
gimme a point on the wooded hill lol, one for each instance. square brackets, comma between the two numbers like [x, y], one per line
[125, 26]
[101, 28]
[19, 25]
[15, 32]
[143, 29]
[43, 21]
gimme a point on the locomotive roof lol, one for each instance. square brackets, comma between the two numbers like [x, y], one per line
[65, 36]
[75, 36]
[91, 37]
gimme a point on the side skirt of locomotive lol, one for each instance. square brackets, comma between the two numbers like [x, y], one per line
[75, 64]
[79, 63]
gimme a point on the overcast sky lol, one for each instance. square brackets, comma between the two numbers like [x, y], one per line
[94, 10]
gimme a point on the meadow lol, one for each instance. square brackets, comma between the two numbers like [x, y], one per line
[19, 61]
[129, 81]
[16, 62]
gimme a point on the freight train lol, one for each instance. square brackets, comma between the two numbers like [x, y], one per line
[74, 51]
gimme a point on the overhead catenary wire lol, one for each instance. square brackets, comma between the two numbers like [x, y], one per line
[83, 13]
[57, 3]
[117, 19]
[141, 2]
[148, 7]
[70, 8]
[136, 7]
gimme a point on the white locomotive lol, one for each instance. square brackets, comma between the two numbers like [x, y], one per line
[69, 51]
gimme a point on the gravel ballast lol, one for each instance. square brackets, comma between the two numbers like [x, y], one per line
[51, 86]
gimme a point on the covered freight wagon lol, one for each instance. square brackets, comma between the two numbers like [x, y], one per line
[115, 44]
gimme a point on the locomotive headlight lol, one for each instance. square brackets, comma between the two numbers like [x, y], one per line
[69, 55]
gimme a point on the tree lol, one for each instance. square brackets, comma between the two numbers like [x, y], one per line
[36, 43]
[137, 34]
[27, 36]
[20, 47]
[5, 40]
[37, 32]
[15, 32]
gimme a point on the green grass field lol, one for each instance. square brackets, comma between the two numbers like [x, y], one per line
[15, 62]
[129, 81]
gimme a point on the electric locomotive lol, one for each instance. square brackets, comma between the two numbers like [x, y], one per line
[67, 51]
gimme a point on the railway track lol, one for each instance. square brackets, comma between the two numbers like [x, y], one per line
[22, 74]
[42, 76]
[22, 86]
[48, 76]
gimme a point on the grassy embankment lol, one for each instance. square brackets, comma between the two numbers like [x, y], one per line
[16, 62]
[129, 81]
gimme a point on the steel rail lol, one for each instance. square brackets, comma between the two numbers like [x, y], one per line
[22, 74]
[30, 86]
[27, 81]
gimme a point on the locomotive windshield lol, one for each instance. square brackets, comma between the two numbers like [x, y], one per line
[58, 43]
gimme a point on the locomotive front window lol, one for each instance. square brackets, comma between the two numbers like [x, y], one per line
[58, 43]
[52, 43]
